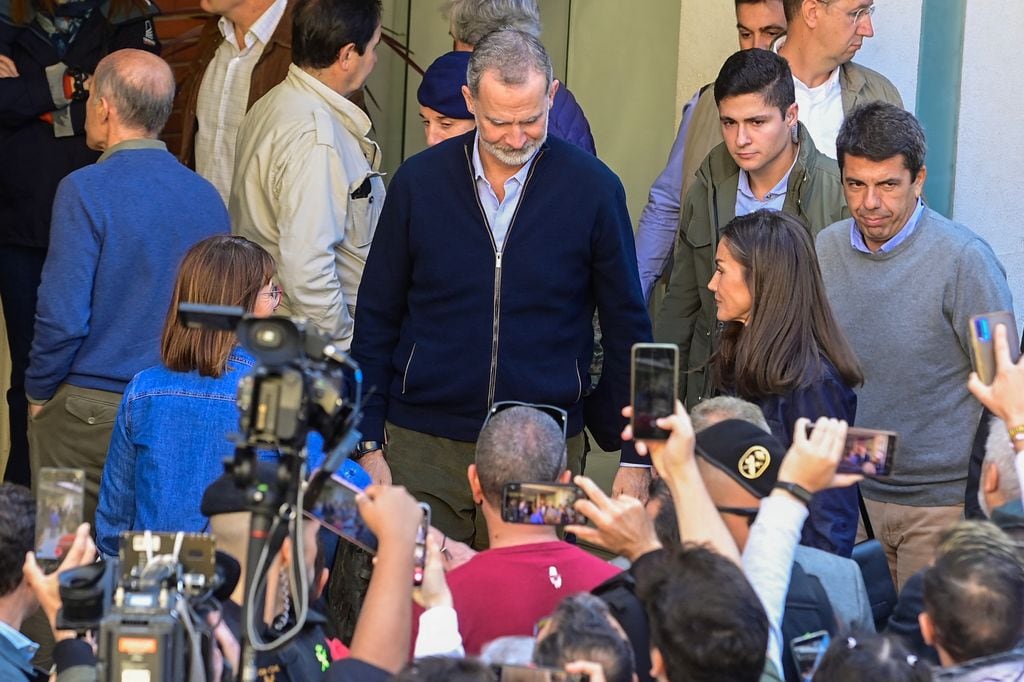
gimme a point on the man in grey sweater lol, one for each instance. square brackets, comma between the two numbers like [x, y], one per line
[903, 282]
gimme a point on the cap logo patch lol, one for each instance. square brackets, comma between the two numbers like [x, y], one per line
[754, 462]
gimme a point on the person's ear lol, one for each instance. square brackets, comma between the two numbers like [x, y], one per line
[922, 175]
[551, 92]
[927, 628]
[791, 114]
[346, 55]
[468, 96]
[474, 484]
[657, 664]
[809, 12]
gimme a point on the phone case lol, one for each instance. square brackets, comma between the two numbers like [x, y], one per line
[983, 329]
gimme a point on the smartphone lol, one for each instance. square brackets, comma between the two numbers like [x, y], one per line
[420, 551]
[654, 387]
[544, 504]
[869, 452]
[59, 501]
[807, 652]
[983, 353]
[520, 673]
[331, 500]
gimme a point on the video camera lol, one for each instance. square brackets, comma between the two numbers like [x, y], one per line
[151, 614]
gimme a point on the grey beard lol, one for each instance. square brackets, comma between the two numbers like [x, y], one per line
[514, 157]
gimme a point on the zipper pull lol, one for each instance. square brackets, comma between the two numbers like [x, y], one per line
[497, 260]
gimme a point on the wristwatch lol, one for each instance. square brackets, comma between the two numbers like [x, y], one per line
[363, 448]
[796, 490]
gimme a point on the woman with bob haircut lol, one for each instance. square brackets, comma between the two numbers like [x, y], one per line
[170, 436]
[781, 347]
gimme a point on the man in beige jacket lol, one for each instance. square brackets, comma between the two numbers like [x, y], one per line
[306, 183]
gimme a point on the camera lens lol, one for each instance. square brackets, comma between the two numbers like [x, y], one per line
[268, 337]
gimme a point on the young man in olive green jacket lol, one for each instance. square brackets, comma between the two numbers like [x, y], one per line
[767, 161]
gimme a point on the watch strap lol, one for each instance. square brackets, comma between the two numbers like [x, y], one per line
[796, 490]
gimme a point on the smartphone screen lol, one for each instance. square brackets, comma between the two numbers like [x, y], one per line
[420, 551]
[869, 452]
[807, 652]
[58, 513]
[655, 378]
[332, 502]
[519, 673]
[983, 330]
[543, 504]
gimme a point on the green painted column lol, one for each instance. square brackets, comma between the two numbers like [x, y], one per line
[939, 72]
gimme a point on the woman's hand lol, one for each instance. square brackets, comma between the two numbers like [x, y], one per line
[7, 68]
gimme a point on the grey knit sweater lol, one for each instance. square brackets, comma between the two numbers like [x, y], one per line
[906, 313]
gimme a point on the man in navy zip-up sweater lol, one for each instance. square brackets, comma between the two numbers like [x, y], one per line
[491, 253]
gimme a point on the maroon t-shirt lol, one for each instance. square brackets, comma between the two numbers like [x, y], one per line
[502, 592]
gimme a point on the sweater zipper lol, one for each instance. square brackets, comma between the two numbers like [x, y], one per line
[492, 379]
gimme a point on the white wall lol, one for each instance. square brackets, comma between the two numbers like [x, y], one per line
[990, 154]
[895, 48]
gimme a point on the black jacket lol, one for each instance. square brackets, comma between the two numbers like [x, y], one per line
[34, 158]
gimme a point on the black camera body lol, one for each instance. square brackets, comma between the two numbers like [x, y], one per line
[148, 606]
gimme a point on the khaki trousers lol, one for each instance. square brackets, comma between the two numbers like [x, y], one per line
[433, 470]
[73, 430]
[908, 534]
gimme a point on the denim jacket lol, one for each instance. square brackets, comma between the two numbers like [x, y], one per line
[168, 445]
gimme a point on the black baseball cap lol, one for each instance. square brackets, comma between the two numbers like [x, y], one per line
[744, 451]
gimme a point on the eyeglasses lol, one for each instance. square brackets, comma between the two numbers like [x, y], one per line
[560, 416]
[273, 295]
[857, 14]
[749, 512]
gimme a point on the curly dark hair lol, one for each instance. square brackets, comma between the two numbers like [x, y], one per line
[17, 533]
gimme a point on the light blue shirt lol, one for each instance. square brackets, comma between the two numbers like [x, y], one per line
[747, 202]
[857, 239]
[499, 213]
[25, 646]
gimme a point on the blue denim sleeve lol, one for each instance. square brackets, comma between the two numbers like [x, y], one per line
[116, 510]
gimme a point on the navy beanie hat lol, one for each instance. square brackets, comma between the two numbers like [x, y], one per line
[441, 89]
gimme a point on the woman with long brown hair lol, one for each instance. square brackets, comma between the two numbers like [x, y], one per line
[781, 347]
[170, 436]
[48, 50]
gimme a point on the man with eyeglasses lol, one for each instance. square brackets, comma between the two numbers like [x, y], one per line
[823, 37]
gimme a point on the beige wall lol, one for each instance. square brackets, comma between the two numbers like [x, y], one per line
[707, 36]
[593, 43]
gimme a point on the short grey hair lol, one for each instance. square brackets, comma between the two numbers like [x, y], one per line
[999, 451]
[471, 20]
[709, 412]
[519, 444]
[139, 85]
[513, 55]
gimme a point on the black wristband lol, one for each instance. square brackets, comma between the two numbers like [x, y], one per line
[364, 448]
[796, 490]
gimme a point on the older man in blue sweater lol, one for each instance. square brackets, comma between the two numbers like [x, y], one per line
[492, 251]
[120, 228]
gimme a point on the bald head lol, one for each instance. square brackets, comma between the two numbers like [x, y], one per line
[139, 86]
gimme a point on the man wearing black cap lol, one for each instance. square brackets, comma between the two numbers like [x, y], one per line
[442, 107]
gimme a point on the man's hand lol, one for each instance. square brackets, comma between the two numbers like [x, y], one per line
[812, 460]
[46, 587]
[434, 590]
[33, 410]
[453, 552]
[633, 482]
[391, 513]
[621, 524]
[1005, 396]
[377, 467]
[228, 652]
[7, 67]
[671, 458]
